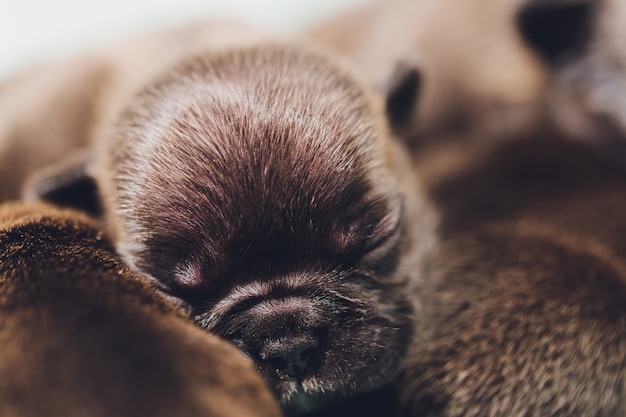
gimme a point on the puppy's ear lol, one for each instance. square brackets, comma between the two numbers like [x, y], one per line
[557, 30]
[402, 93]
[68, 183]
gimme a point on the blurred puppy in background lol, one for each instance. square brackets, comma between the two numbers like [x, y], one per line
[492, 67]
[57, 108]
[465, 60]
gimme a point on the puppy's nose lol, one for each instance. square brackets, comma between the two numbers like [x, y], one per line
[293, 356]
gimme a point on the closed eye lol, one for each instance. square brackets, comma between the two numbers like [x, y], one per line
[383, 251]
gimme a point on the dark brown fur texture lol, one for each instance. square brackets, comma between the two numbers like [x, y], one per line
[527, 316]
[255, 185]
[81, 335]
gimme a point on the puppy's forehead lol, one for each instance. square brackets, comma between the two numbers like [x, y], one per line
[274, 144]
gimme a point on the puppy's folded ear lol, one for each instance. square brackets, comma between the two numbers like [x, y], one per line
[68, 183]
[402, 94]
[557, 30]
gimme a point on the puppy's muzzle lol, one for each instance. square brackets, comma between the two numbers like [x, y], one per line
[293, 357]
[285, 334]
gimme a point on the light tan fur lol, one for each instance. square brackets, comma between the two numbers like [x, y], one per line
[477, 73]
[59, 107]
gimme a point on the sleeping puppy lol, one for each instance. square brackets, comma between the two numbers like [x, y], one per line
[527, 313]
[256, 186]
[82, 335]
[259, 186]
[464, 59]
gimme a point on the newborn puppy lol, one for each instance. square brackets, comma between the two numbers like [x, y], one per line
[255, 185]
[464, 59]
[527, 313]
[82, 335]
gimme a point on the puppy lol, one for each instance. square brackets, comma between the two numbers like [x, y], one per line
[464, 59]
[527, 312]
[259, 185]
[83, 336]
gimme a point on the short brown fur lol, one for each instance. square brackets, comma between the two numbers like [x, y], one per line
[527, 316]
[82, 335]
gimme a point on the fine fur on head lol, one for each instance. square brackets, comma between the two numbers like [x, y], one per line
[255, 185]
[82, 335]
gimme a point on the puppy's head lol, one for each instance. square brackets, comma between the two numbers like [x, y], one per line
[254, 185]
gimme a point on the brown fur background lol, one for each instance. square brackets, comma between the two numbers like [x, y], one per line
[81, 335]
[527, 317]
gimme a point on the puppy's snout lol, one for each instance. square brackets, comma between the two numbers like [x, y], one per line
[285, 335]
[294, 356]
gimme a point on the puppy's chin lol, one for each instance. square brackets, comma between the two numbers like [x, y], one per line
[316, 344]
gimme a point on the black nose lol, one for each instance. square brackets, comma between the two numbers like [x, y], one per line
[294, 356]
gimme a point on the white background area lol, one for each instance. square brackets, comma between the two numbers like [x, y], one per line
[37, 30]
